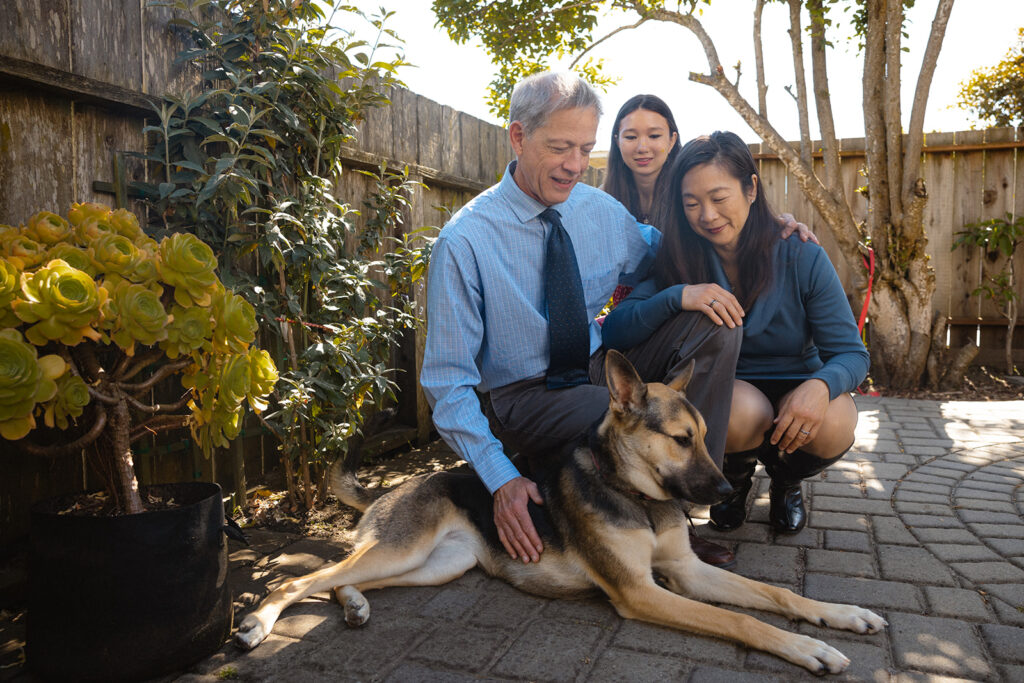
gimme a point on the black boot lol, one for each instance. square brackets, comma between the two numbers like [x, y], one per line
[786, 511]
[738, 469]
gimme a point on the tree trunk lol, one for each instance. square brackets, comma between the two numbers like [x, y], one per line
[116, 445]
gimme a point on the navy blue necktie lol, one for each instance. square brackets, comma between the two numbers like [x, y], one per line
[568, 328]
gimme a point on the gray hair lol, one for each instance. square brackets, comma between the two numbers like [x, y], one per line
[537, 97]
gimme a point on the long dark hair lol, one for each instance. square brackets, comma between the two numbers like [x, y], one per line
[684, 255]
[619, 182]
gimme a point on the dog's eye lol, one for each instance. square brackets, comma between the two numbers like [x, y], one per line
[683, 441]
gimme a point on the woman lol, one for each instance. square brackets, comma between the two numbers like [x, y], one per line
[644, 140]
[801, 352]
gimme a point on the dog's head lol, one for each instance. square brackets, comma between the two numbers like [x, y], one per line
[656, 437]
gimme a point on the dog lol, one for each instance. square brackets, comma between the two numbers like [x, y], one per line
[613, 520]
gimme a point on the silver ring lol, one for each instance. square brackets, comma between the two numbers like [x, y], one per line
[804, 431]
[713, 302]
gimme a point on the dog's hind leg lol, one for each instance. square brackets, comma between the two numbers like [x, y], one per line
[369, 562]
[453, 557]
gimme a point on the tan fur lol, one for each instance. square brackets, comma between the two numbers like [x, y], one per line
[604, 536]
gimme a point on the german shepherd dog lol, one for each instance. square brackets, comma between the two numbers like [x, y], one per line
[612, 519]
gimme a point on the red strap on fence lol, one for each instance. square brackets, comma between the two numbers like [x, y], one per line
[869, 264]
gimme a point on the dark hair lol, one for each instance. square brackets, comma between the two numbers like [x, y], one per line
[619, 182]
[684, 255]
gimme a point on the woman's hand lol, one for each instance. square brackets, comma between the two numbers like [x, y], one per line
[800, 415]
[714, 302]
[790, 225]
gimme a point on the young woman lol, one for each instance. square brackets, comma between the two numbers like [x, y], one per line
[644, 140]
[721, 256]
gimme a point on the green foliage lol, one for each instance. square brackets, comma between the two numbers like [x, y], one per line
[94, 321]
[250, 166]
[995, 94]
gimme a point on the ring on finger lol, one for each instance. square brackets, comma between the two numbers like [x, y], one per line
[713, 302]
[804, 432]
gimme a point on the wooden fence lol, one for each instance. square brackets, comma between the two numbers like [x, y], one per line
[76, 80]
[970, 176]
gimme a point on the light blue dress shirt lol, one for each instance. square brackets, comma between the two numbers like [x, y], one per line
[485, 302]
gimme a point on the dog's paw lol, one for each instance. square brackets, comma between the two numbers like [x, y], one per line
[357, 608]
[251, 632]
[852, 618]
[815, 656]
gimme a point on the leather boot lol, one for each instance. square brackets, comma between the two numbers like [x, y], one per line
[786, 511]
[712, 553]
[738, 469]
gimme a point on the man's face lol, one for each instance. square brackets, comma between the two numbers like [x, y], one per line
[554, 157]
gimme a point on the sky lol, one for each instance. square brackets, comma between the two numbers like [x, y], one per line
[657, 58]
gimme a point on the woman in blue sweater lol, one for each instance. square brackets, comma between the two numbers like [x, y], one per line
[801, 356]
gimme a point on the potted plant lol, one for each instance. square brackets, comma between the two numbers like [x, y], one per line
[95, 315]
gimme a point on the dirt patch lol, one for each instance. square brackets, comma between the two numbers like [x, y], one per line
[980, 384]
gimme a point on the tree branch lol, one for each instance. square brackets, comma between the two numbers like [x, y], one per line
[130, 369]
[162, 423]
[162, 373]
[101, 397]
[590, 47]
[72, 447]
[874, 128]
[915, 132]
[892, 111]
[762, 87]
[154, 408]
[823, 103]
[796, 40]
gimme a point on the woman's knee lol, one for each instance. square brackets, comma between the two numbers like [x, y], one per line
[837, 430]
[750, 417]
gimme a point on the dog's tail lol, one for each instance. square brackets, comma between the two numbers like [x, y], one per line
[347, 488]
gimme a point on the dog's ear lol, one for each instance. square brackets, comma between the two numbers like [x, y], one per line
[627, 390]
[682, 380]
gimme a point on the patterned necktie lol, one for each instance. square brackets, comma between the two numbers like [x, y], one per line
[568, 329]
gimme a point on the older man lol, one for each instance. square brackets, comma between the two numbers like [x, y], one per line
[516, 278]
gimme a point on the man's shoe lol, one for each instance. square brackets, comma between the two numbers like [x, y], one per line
[712, 553]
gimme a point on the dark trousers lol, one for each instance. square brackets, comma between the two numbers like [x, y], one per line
[529, 418]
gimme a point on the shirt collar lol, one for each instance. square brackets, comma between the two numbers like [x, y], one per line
[525, 207]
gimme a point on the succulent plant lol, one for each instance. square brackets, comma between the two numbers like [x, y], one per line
[61, 303]
[190, 330]
[137, 315]
[69, 402]
[235, 321]
[25, 380]
[188, 264]
[47, 228]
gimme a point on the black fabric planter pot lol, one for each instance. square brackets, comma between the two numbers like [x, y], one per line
[130, 597]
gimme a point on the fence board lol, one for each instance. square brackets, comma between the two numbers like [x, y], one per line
[37, 32]
[938, 171]
[469, 134]
[430, 140]
[405, 127]
[106, 41]
[98, 136]
[967, 206]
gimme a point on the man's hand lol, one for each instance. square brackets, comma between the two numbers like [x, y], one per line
[515, 528]
[800, 415]
[789, 225]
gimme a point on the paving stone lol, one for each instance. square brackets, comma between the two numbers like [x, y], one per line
[983, 489]
[449, 603]
[313, 619]
[892, 531]
[989, 517]
[999, 530]
[624, 665]
[929, 451]
[1008, 547]
[414, 672]
[808, 537]
[902, 563]
[924, 509]
[926, 442]
[869, 593]
[846, 489]
[868, 662]
[1011, 672]
[945, 536]
[991, 475]
[838, 539]
[937, 645]
[920, 497]
[990, 572]
[923, 487]
[303, 557]
[1004, 642]
[596, 611]
[900, 459]
[710, 674]
[841, 563]
[550, 651]
[768, 562]
[880, 490]
[1001, 506]
[503, 605]
[962, 552]
[931, 521]
[467, 647]
[852, 505]
[644, 637]
[757, 533]
[1009, 615]
[885, 471]
[932, 474]
[837, 520]
[959, 603]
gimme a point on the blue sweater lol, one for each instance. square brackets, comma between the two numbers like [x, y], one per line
[800, 327]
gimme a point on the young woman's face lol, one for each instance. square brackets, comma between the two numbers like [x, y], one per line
[716, 205]
[644, 141]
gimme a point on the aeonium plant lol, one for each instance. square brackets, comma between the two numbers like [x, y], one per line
[94, 315]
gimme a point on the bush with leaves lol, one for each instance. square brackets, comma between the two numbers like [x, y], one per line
[89, 305]
[251, 164]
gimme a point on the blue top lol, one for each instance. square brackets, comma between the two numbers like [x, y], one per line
[486, 304]
[800, 327]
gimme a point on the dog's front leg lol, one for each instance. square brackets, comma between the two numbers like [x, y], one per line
[649, 602]
[687, 575]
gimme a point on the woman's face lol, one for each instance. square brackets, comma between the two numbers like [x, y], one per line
[716, 205]
[644, 141]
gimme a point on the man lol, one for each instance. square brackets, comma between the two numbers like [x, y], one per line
[501, 269]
